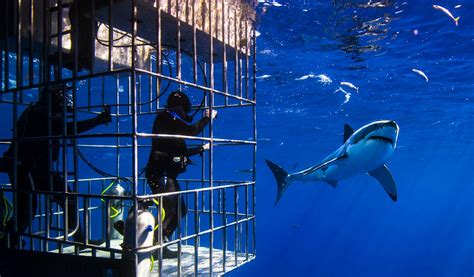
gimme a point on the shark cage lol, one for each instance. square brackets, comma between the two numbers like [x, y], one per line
[82, 82]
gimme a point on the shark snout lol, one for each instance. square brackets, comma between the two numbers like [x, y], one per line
[392, 124]
[385, 125]
[393, 129]
[385, 131]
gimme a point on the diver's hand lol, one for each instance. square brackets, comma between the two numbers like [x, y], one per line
[105, 117]
[212, 115]
[206, 146]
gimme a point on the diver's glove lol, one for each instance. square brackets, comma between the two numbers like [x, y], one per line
[105, 117]
[210, 113]
[205, 147]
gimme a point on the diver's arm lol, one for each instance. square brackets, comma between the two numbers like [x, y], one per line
[194, 151]
[89, 124]
[84, 125]
[193, 129]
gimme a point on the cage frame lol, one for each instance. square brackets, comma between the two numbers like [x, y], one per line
[243, 93]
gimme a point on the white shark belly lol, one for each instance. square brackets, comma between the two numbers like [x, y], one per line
[371, 153]
[361, 158]
[341, 171]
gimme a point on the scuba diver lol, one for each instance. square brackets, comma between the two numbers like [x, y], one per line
[169, 158]
[33, 163]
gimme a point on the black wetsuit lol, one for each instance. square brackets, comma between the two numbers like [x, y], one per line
[33, 171]
[168, 158]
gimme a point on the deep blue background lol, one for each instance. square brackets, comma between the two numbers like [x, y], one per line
[356, 230]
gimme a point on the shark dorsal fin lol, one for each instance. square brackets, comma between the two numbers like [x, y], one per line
[348, 131]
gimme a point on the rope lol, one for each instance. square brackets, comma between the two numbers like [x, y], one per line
[8, 211]
[116, 212]
[163, 215]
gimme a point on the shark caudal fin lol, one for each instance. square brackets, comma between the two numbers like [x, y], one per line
[281, 177]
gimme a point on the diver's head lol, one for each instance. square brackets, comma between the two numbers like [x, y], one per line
[180, 103]
[59, 95]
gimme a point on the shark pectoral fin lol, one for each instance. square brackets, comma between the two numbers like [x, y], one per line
[322, 165]
[385, 178]
[348, 131]
[332, 183]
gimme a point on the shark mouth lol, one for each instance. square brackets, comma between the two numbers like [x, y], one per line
[381, 138]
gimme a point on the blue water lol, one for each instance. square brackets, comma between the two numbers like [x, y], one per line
[355, 229]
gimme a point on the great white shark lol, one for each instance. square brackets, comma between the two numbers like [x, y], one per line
[364, 151]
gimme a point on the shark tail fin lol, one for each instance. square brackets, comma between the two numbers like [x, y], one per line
[281, 177]
[456, 20]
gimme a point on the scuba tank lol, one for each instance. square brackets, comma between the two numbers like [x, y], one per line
[143, 229]
[115, 207]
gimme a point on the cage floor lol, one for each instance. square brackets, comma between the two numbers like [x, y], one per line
[170, 266]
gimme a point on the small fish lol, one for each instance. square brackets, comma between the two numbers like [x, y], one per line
[457, 6]
[266, 76]
[351, 85]
[305, 77]
[324, 79]
[347, 95]
[250, 170]
[446, 11]
[421, 73]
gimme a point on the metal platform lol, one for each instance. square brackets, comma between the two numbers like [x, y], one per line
[186, 268]
[188, 25]
[227, 22]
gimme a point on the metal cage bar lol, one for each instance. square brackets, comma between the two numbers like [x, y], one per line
[208, 48]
